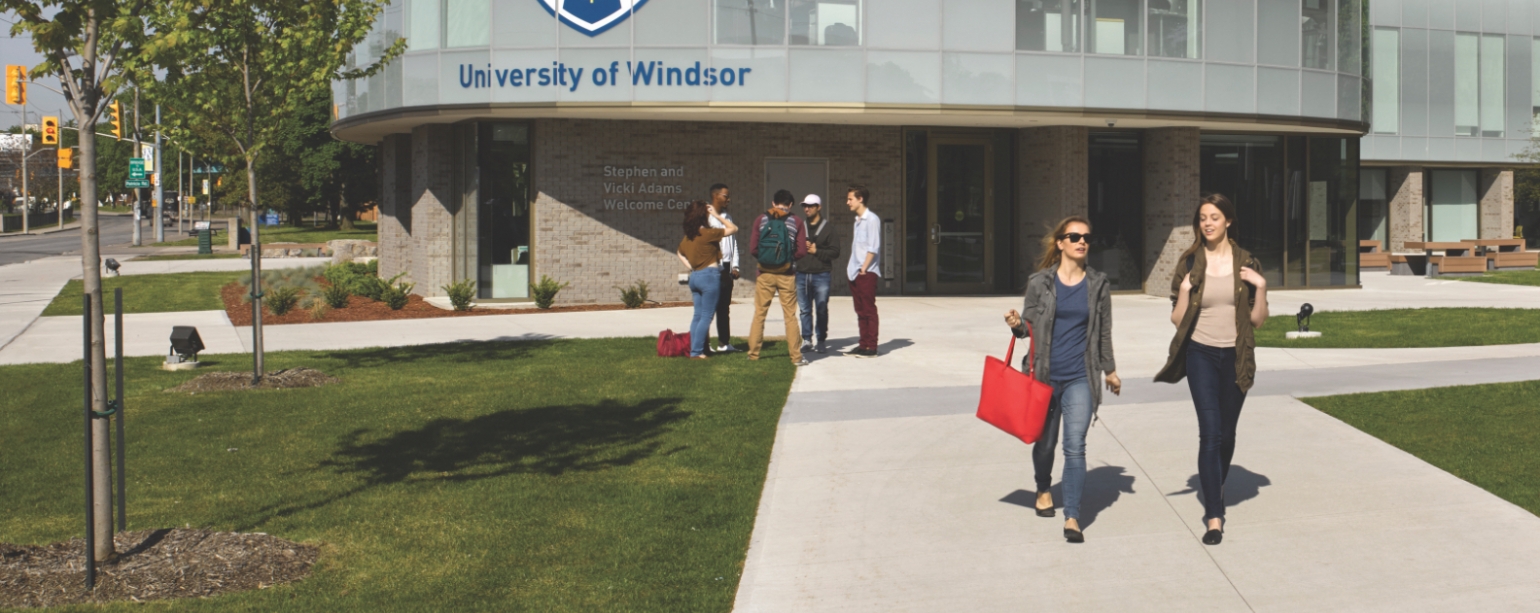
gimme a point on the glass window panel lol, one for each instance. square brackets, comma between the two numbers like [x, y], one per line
[750, 22]
[767, 65]
[1249, 170]
[503, 211]
[1176, 28]
[519, 23]
[1493, 59]
[903, 24]
[1467, 82]
[1114, 83]
[1318, 93]
[1115, 206]
[675, 23]
[1176, 86]
[916, 210]
[1534, 81]
[977, 78]
[1229, 31]
[826, 75]
[1331, 201]
[903, 77]
[1116, 27]
[424, 21]
[1231, 89]
[1049, 80]
[1373, 206]
[1350, 50]
[1349, 106]
[1278, 32]
[1387, 80]
[825, 22]
[468, 23]
[1317, 29]
[1278, 91]
[1048, 25]
[1452, 206]
[977, 25]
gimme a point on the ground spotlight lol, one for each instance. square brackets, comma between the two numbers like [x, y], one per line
[1302, 320]
[112, 266]
[185, 345]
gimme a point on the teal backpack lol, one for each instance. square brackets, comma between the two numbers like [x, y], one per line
[775, 246]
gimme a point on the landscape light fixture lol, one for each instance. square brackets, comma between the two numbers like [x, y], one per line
[1302, 320]
[185, 345]
[112, 266]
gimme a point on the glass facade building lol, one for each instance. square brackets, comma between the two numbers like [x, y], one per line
[523, 138]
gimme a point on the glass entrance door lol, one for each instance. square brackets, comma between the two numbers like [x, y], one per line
[960, 217]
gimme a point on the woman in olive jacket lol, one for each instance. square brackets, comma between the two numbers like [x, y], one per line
[1070, 308]
[1218, 298]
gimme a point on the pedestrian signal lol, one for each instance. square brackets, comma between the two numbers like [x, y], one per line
[50, 130]
[66, 158]
[115, 115]
[15, 84]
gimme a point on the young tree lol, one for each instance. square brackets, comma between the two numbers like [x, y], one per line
[84, 43]
[240, 67]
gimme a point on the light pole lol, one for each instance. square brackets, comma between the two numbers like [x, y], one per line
[160, 201]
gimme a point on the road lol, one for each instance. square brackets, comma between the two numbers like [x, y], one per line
[117, 230]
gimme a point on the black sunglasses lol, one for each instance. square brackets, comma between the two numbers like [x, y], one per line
[1075, 237]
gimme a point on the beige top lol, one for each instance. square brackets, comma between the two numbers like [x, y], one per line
[1216, 314]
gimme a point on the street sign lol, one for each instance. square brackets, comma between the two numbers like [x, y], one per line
[136, 170]
[132, 183]
[147, 153]
[205, 187]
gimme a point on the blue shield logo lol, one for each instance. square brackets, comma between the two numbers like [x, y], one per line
[592, 17]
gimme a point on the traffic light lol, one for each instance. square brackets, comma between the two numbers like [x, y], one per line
[50, 130]
[115, 116]
[15, 84]
[66, 158]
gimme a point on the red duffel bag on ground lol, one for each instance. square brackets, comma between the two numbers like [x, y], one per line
[672, 345]
[1014, 401]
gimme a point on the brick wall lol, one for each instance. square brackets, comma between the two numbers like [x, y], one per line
[395, 225]
[1052, 180]
[433, 208]
[1406, 206]
[1496, 203]
[1171, 191]
[580, 241]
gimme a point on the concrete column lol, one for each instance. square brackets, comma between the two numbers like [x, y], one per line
[1052, 180]
[433, 206]
[1404, 186]
[1171, 194]
[395, 211]
[1496, 203]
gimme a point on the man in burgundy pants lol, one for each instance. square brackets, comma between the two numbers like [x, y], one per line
[863, 270]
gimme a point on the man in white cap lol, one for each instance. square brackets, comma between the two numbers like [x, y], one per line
[813, 275]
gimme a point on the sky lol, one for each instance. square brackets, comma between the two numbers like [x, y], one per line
[40, 101]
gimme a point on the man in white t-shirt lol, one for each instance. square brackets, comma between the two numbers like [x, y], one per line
[721, 199]
[863, 269]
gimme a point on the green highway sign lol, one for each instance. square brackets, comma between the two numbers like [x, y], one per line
[136, 183]
[136, 171]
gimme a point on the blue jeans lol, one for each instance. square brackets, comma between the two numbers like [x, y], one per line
[1072, 403]
[1211, 378]
[813, 296]
[705, 287]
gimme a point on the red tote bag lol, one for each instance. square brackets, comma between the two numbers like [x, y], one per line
[1014, 401]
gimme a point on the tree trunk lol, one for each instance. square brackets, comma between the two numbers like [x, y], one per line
[344, 214]
[256, 270]
[91, 269]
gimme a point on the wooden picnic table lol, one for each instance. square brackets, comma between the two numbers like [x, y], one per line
[1507, 254]
[1457, 257]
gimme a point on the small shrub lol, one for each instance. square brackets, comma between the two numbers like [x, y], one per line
[336, 296]
[318, 309]
[635, 296]
[396, 297]
[545, 291]
[461, 293]
[282, 300]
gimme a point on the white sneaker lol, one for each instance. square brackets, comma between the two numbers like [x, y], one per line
[725, 349]
[807, 347]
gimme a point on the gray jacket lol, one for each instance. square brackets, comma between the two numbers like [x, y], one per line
[1039, 308]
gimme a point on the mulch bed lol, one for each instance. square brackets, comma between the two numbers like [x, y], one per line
[360, 308]
[287, 378]
[151, 565]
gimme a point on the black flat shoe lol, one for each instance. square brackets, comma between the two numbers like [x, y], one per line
[1048, 512]
[1074, 536]
[1212, 537]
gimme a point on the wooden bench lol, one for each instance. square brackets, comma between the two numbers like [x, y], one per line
[1457, 258]
[1507, 254]
[1370, 256]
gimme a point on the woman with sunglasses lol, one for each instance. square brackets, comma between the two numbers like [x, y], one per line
[1070, 308]
[1218, 301]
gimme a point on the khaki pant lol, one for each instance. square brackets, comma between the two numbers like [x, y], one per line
[765, 288]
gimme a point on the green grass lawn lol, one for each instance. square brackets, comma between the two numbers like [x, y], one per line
[1397, 328]
[186, 291]
[572, 475]
[1508, 277]
[362, 230]
[1488, 435]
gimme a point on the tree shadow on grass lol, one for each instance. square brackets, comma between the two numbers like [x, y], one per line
[505, 348]
[551, 440]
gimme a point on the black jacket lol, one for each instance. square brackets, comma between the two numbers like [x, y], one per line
[821, 235]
